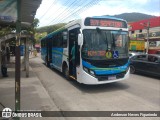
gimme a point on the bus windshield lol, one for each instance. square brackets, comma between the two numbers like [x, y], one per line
[98, 42]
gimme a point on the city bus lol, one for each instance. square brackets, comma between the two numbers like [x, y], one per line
[100, 46]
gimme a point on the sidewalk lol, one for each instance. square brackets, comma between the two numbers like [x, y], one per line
[33, 94]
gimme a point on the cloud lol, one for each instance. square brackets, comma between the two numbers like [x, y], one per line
[52, 13]
[57, 11]
[123, 6]
[139, 1]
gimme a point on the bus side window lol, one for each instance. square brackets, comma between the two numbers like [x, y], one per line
[64, 39]
[59, 40]
[56, 40]
[53, 41]
[44, 43]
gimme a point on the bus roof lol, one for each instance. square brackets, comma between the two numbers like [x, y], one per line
[52, 33]
[72, 22]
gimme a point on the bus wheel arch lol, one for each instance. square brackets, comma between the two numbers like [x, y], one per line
[65, 70]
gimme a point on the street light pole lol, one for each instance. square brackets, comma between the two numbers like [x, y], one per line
[17, 59]
[148, 26]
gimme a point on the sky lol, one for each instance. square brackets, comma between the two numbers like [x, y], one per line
[62, 11]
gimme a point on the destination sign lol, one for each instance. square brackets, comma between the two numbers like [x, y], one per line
[105, 22]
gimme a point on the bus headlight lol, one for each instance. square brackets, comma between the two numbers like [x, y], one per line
[91, 72]
[86, 69]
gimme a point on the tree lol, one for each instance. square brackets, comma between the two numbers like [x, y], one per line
[6, 30]
[35, 23]
[50, 28]
[39, 36]
[32, 30]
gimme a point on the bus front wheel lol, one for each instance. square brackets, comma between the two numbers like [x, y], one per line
[66, 72]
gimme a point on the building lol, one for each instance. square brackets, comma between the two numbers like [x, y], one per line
[138, 32]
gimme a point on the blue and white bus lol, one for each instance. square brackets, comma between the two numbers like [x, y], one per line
[101, 50]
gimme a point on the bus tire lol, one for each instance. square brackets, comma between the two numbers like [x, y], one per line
[66, 72]
[132, 69]
[46, 62]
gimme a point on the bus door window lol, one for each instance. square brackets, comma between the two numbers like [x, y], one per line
[74, 55]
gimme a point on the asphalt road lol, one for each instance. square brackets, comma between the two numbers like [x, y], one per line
[139, 93]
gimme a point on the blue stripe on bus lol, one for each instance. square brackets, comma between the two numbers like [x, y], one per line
[105, 71]
[57, 56]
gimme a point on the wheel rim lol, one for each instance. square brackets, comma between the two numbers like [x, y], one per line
[66, 72]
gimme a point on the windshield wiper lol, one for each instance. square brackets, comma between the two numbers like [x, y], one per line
[106, 40]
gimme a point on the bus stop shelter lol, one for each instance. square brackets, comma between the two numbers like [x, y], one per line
[18, 14]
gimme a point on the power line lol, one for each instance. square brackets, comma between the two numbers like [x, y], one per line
[65, 10]
[82, 8]
[65, 16]
[90, 3]
[48, 9]
[67, 3]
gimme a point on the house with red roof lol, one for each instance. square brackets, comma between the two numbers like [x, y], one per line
[138, 32]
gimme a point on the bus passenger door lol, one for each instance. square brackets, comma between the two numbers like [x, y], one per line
[74, 54]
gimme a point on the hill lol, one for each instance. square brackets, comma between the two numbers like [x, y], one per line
[50, 28]
[131, 17]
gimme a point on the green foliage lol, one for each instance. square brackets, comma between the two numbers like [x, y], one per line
[50, 29]
[39, 36]
[32, 30]
[5, 31]
[35, 22]
[43, 31]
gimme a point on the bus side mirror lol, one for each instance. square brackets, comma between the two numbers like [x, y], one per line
[80, 39]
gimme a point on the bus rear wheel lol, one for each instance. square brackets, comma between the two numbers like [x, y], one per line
[46, 62]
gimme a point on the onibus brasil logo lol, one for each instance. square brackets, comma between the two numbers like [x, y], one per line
[7, 113]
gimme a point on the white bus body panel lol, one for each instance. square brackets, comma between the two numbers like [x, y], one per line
[65, 57]
[85, 78]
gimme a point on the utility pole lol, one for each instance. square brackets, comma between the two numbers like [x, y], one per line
[17, 62]
[147, 26]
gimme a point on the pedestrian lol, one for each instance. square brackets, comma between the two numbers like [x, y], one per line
[30, 50]
[8, 54]
[4, 62]
[35, 52]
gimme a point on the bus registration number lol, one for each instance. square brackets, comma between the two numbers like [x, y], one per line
[113, 77]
